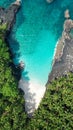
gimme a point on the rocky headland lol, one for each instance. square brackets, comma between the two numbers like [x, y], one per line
[63, 59]
[7, 20]
[7, 16]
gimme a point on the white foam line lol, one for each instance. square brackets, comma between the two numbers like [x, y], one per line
[55, 49]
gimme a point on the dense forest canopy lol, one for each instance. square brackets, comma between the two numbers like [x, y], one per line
[11, 99]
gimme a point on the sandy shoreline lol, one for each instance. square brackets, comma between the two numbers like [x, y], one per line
[33, 93]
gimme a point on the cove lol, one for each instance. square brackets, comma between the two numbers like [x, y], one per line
[33, 40]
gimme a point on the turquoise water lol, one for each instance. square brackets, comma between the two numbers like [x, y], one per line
[35, 34]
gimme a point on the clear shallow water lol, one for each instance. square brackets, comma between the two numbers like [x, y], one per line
[35, 34]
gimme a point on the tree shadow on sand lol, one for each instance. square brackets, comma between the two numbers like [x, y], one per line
[30, 103]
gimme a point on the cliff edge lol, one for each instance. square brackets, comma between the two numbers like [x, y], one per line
[7, 16]
[63, 60]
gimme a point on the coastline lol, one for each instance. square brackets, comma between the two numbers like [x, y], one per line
[63, 61]
[47, 106]
[34, 92]
[62, 64]
[55, 51]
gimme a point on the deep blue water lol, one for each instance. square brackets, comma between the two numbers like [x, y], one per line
[34, 36]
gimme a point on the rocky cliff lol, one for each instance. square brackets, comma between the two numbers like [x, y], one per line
[63, 60]
[7, 16]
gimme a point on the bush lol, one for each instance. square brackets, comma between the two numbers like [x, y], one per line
[3, 28]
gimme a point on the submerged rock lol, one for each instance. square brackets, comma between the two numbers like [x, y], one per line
[63, 60]
[49, 1]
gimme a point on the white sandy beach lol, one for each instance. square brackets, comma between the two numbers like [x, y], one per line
[34, 92]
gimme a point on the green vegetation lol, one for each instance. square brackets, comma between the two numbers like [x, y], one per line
[12, 115]
[3, 28]
[55, 111]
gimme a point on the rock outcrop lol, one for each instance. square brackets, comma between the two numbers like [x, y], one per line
[7, 16]
[63, 60]
[67, 15]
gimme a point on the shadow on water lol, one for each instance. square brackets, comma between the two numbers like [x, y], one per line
[20, 18]
[14, 46]
[15, 54]
[24, 85]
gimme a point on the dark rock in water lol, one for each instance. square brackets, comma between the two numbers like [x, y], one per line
[21, 65]
[7, 16]
[63, 60]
